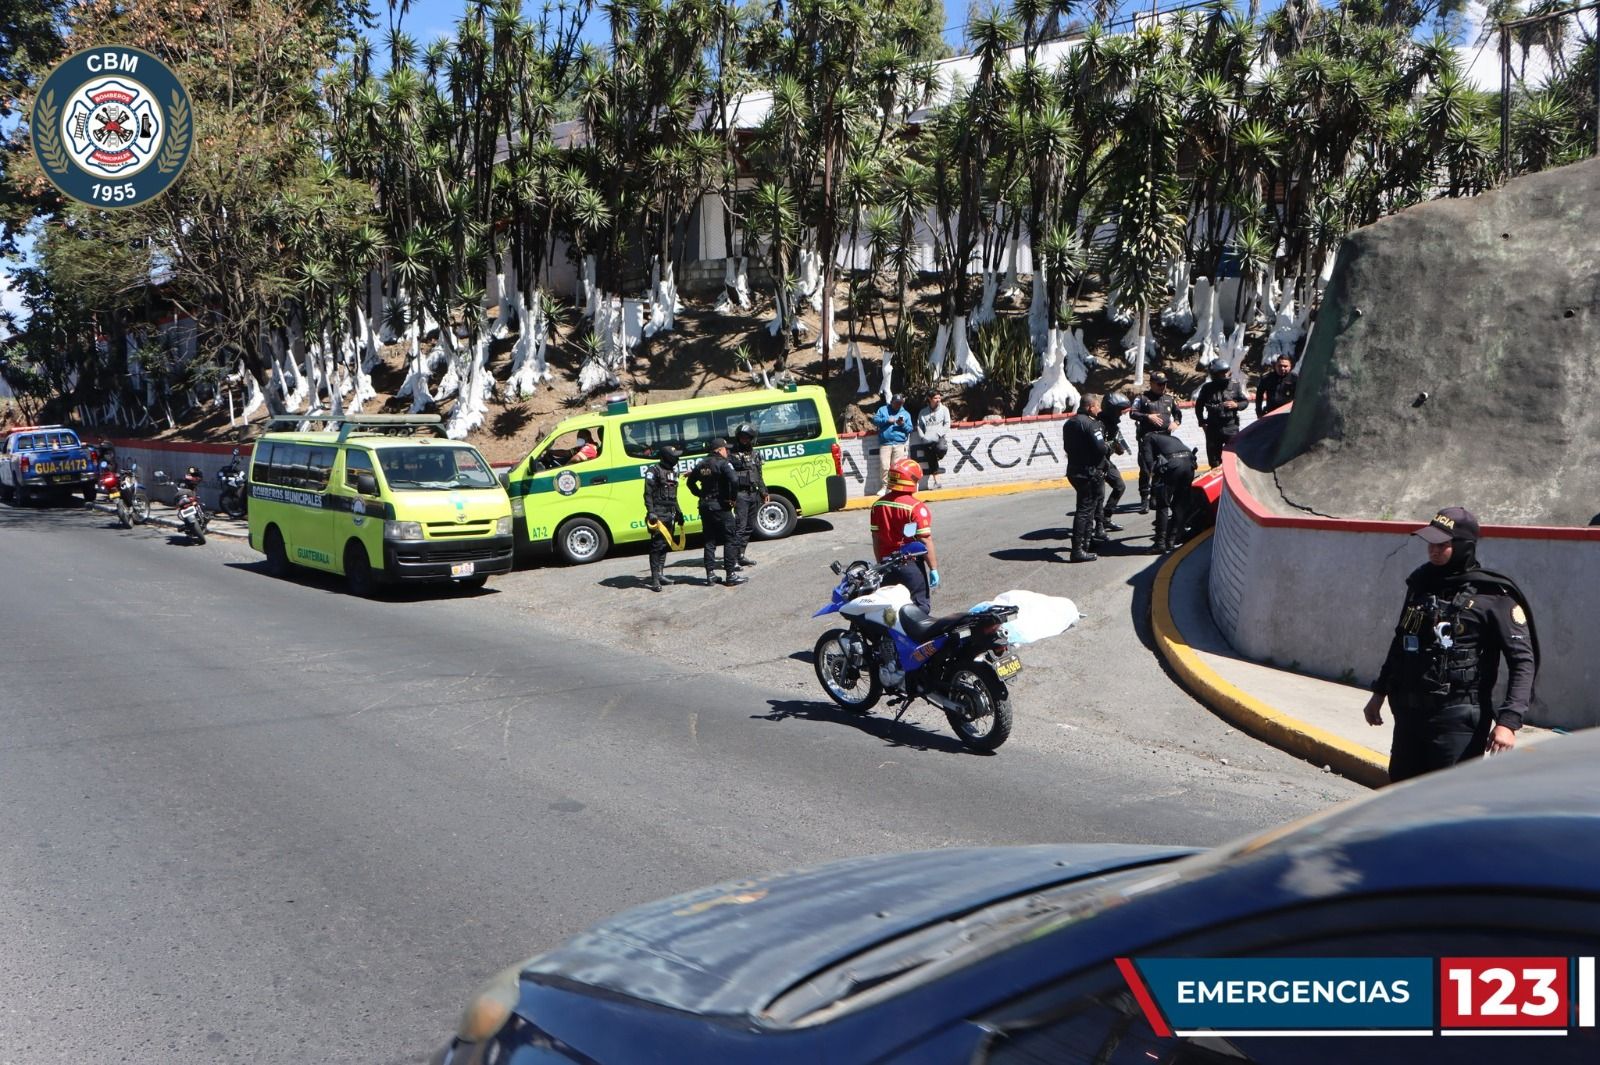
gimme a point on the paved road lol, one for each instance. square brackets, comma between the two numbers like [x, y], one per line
[259, 821]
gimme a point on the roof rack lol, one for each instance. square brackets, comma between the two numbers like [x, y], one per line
[30, 428]
[348, 422]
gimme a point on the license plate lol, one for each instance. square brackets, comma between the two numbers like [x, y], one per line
[462, 569]
[1008, 667]
[63, 478]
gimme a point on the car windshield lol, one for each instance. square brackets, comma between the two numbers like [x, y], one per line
[434, 468]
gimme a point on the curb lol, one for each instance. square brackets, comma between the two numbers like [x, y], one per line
[1248, 713]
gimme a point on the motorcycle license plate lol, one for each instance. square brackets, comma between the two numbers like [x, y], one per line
[462, 569]
[1008, 667]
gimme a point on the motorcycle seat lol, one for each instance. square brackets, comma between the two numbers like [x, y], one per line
[921, 627]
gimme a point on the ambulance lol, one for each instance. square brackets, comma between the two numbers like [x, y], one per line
[376, 507]
[581, 490]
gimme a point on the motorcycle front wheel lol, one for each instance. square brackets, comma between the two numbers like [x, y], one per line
[987, 722]
[141, 508]
[852, 688]
[124, 513]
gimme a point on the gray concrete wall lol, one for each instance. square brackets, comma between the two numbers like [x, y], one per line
[1324, 601]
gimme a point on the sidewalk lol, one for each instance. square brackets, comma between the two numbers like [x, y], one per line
[1311, 718]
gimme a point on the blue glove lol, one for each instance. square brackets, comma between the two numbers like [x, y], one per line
[933, 578]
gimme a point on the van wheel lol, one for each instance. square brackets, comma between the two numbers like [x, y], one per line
[277, 557]
[582, 540]
[358, 575]
[776, 519]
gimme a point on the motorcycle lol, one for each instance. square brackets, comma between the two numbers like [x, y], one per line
[234, 498]
[186, 501]
[959, 663]
[124, 489]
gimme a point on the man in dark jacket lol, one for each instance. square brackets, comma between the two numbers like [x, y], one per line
[1459, 620]
[1083, 438]
[1171, 465]
[1276, 387]
[661, 511]
[1157, 400]
[1217, 409]
[746, 462]
[713, 481]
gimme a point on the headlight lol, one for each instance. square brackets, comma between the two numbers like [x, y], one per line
[517, 506]
[402, 530]
[502, 526]
[491, 1007]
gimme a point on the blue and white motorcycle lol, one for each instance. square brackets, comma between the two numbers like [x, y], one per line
[959, 663]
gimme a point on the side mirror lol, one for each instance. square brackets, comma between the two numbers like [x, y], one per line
[366, 483]
[161, 477]
[836, 567]
[133, 467]
[235, 452]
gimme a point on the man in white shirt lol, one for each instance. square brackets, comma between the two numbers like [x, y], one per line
[933, 436]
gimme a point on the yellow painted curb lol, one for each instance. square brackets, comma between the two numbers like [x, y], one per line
[1247, 712]
[978, 491]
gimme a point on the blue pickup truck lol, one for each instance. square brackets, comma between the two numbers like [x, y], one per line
[38, 461]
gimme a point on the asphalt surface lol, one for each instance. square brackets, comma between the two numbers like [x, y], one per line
[252, 820]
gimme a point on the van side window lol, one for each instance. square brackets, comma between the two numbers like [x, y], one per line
[261, 471]
[319, 467]
[783, 422]
[356, 462]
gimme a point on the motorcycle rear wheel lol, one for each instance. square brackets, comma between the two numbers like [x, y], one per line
[988, 723]
[832, 664]
[197, 532]
[141, 508]
[124, 513]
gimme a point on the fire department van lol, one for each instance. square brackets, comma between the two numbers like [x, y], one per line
[580, 490]
[378, 507]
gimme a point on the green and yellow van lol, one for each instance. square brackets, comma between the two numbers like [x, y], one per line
[582, 493]
[378, 507]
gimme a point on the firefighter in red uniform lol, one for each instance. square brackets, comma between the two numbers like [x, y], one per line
[898, 517]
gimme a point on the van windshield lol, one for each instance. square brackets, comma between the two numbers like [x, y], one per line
[434, 468]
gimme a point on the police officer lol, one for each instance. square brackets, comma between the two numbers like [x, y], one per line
[746, 464]
[1217, 409]
[1459, 620]
[1157, 400]
[1276, 387]
[1083, 439]
[661, 511]
[1111, 411]
[714, 483]
[1171, 466]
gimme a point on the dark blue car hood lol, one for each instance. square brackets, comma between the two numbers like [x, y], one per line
[730, 949]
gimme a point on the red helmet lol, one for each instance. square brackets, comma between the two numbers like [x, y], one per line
[905, 475]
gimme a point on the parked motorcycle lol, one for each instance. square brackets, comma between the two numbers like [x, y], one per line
[959, 663]
[234, 497]
[186, 501]
[133, 503]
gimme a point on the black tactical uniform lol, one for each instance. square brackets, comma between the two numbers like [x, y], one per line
[661, 506]
[1111, 424]
[1440, 673]
[1217, 410]
[1083, 438]
[746, 462]
[1171, 465]
[714, 483]
[1143, 410]
[1274, 389]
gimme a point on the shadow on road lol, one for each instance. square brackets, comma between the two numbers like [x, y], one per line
[902, 733]
[397, 594]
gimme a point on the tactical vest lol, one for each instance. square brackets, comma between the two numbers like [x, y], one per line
[663, 490]
[745, 467]
[1432, 664]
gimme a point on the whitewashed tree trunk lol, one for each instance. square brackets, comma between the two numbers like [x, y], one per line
[810, 281]
[1205, 311]
[1053, 391]
[735, 286]
[509, 290]
[477, 385]
[1079, 359]
[1144, 347]
[968, 369]
[1010, 290]
[448, 352]
[854, 352]
[632, 330]
[1178, 315]
[1227, 291]
[741, 284]
[1286, 331]
[588, 298]
[886, 378]
[1233, 350]
[936, 354]
[528, 367]
[255, 398]
[367, 338]
[1114, 310]
[984, 313]
[1039, 313]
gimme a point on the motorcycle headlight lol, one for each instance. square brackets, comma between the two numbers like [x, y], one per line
[402, 530]
[502, 526]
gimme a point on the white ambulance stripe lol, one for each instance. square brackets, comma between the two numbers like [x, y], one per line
[1585, 992]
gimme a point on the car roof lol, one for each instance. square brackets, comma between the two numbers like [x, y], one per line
[732, 948]
[688, 406]
[373, 440]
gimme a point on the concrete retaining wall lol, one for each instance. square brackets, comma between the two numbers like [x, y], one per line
[1321, 595]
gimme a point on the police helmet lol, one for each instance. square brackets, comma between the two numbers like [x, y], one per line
[745, 429]
[1116, 403]
[1220, 366]
[1158, 378]
[670, 453]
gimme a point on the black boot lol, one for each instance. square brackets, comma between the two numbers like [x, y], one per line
[1079, 555]
[1111, 526]
[746, 561]
[655, 574]
[711, 576]
[1144, 504]
[1162, 543]
[735, 578]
